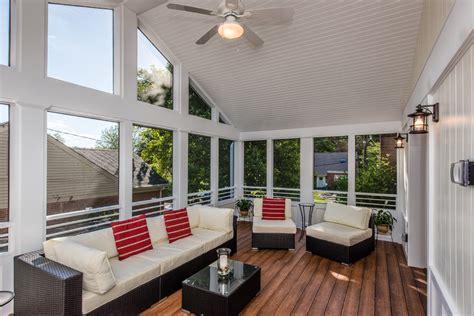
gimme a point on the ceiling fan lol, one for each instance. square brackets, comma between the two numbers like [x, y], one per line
[232, 11]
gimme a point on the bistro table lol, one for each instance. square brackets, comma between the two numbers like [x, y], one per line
[303, 207]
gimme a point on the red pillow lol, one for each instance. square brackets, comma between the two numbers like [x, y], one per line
[273, 209]
[177, 224]
[131, 236]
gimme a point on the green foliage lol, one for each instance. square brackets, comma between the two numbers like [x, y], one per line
[384, 218]
[376, 175]
[199, 163]
[286, 163]
[197, 105]
[226, 153]
[255, 163]
[244, 204]
[341, 184]
[155, 86]
[110, 138]
[330, 144]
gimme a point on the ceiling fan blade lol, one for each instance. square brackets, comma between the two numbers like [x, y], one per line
[250, 35]
[209, 34]
[275, 14]
[181, 7]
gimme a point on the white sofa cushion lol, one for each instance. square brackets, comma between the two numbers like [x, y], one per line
[286, 226]
[97, 275]
[157, 229]
[193, 215]
[258, 205]
[218, 219]
[354, 216]
[129, 274]
[102, 240]
[339, 234]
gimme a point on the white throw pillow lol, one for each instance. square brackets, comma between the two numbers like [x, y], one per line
[193, 215]
[157, 229]
[97, 275]
[218, 219]
[354, 216]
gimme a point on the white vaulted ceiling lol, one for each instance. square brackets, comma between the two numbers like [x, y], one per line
[337, 62]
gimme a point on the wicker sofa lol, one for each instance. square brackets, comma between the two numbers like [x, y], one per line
[46, 287]
[346, 234]
[273, 234]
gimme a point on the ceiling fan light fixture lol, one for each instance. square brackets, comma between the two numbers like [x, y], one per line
[230, 29]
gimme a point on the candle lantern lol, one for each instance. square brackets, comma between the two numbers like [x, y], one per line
[223, 262]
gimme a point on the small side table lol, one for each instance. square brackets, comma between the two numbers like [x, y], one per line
[303, 207]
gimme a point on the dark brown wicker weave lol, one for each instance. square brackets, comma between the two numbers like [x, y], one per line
[273, 241]
[341, 253]
[45, 287]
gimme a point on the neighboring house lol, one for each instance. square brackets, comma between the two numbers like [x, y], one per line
[328, 167]
[84, 177]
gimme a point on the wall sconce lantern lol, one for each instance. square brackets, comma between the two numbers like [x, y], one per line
[400, 141]
[420, 118]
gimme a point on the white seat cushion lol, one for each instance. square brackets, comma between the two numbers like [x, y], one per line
[129, 274]
[339, 234]
[286, 226]
[354, 216]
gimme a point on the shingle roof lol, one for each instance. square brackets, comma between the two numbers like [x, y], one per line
[324, 162]
[107, 159]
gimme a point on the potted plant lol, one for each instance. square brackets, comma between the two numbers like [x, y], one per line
[384, 221]
[244, 206]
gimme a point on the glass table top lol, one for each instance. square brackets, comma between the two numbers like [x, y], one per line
[208, 280]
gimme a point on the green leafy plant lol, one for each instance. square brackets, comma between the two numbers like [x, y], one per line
[244, 204]
[383, 217]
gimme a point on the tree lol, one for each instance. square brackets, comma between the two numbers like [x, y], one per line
[255, 163]
[110, 138]
[155, 86]
[286, 163]
[330, 144]
[341, 184]
[199, 163]
[226, 148]
[197, 105]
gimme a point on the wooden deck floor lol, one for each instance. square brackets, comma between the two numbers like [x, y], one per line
[298, 283]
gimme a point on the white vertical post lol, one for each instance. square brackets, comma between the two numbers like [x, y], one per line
[125, 169]
[351, 196]
[239, 168]
[306, 169]
[269, 168]
[180, 168]
[214, 169]
[126, 79]
[28, 179]
[180, 89]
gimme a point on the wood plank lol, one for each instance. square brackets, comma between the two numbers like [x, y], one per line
[367, 294]
[324, 294]
[312, 289]
[351, 302]
[338, 294]
[413, 300]
[382, 290]
[397, 296]
[421, 284]
[298, 288]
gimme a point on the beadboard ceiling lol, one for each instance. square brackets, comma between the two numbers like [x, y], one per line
[338, 62]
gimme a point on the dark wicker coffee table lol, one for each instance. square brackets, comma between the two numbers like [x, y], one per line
[204, 293]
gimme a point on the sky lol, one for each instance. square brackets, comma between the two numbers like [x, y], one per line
[77, 131]
[148, 54]
[80, 45]
[3, 113]
[4, 31]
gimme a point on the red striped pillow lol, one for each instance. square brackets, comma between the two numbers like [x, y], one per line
[177, 224]
[273, 209]
[131, 236]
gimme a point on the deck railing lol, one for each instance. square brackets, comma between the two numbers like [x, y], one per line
[79, 222]
[153, 207]
[377, 200]
[324, 196]
[204, 198]
[226, 193]
[251, 192]
[287, 193]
